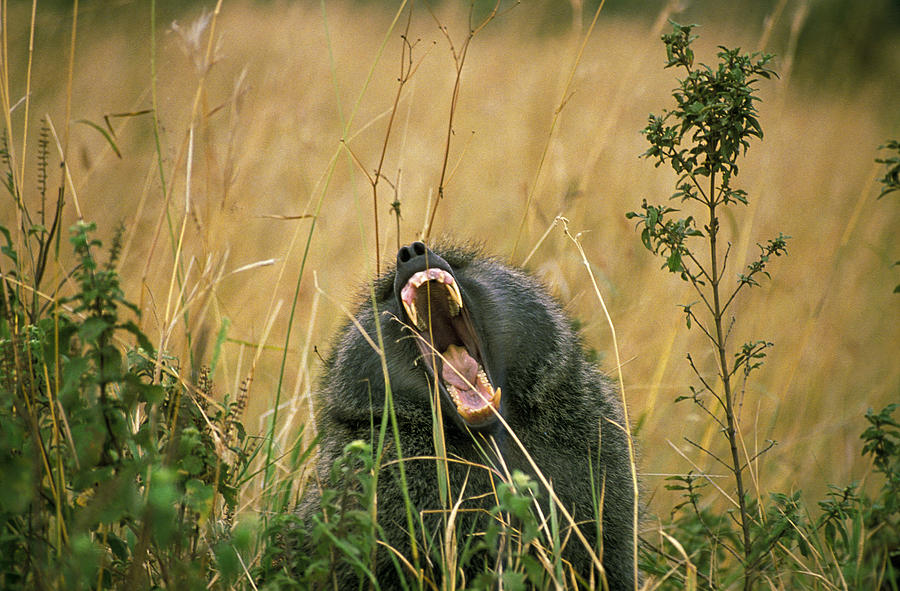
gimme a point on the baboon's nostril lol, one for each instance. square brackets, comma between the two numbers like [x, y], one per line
[407, 253]
[403, 254]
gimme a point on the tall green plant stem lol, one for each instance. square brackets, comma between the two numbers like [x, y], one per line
[731, 431]
[704, 136]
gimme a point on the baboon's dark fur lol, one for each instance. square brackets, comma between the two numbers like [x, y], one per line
[566, 413]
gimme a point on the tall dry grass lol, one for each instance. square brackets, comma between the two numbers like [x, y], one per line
[280, 121]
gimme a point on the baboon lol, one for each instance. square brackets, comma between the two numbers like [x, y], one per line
[504, 358]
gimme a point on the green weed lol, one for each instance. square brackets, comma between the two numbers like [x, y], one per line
[117, 472]
[756, 540]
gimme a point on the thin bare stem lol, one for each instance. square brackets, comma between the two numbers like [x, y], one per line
[626, 428]
[566, 94]
[27, 92]
[459, 60]
[708, 452]
[731, 429]
[406, 69]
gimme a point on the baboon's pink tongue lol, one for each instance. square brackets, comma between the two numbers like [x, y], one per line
[468, 386]
[460, 369]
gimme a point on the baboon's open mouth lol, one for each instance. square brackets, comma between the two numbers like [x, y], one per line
[449, 344]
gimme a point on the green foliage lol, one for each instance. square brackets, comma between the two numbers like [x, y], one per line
[345, 529]
[701, 139]
[38, 227]
[891, 179]
[853, 541]
[342, 533]
[116, 473]
[515, 528]
[882, 439]
[862, 533]
[715, 112]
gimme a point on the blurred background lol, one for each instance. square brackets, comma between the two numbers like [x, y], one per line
[250, 217]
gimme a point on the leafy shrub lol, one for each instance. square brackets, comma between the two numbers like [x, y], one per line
[116, 472]
[757, 541]
[345, 532]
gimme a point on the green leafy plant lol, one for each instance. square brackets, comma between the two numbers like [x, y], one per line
[512, 552]
[702, 139]
[116, 473]
[891, 180]
[882, 442]
[343, 532]
[860, 532]
[516, 529]
[852, 541]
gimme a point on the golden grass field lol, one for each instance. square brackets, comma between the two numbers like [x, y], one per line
[273, 143]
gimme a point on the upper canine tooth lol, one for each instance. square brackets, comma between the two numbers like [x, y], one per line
[454, 292]
[411, 312]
